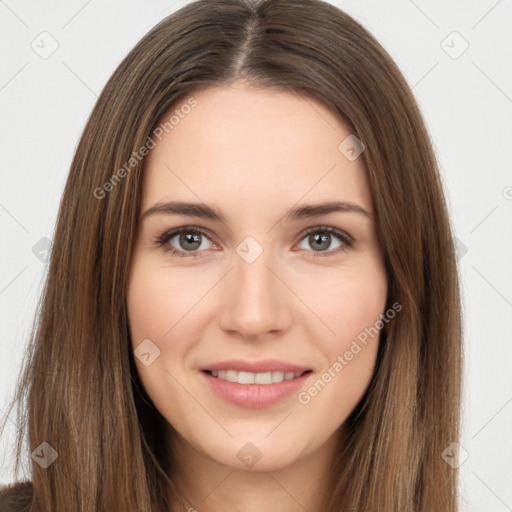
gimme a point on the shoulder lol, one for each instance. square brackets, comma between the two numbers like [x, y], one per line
[15, 497]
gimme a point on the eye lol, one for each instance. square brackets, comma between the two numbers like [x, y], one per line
[189, 238]
[321, 237]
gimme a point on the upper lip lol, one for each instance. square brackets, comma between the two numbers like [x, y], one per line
[267, 365]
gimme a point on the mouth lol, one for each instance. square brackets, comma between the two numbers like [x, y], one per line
[264, 378]
[255, 385]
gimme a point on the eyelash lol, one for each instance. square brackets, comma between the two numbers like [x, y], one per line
[346, 239]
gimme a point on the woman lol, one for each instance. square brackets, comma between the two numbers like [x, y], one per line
[305, 351]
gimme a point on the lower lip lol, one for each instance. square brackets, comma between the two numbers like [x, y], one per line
[254, 396]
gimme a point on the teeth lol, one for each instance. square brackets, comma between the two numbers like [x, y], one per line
[245, 377]
[254, 378]
[230, 375]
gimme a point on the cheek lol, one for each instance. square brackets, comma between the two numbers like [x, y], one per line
[146, 310]
[156, 303]
[357, 308]
[352, 308]
[163, 307]
[349, 304]
[157, 308]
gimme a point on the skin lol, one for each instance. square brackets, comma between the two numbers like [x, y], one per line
[254, 154]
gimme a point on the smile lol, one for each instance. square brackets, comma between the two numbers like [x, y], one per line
[255, 390]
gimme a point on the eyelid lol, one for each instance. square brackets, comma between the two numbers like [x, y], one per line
[346, 239]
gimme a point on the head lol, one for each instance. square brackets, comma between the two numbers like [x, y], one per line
[245, 110]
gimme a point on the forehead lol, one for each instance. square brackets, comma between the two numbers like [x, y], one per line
[243, 147]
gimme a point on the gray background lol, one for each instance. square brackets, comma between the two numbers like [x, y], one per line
[465, 96]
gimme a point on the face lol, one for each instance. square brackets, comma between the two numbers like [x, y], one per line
[228, 298]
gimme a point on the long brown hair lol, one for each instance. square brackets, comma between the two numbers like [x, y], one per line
[79, 390]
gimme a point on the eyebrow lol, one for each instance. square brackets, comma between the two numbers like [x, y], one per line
[301, 212]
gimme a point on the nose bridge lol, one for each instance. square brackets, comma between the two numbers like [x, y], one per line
[254, 303]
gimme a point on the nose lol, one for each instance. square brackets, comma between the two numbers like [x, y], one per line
[256, 302]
